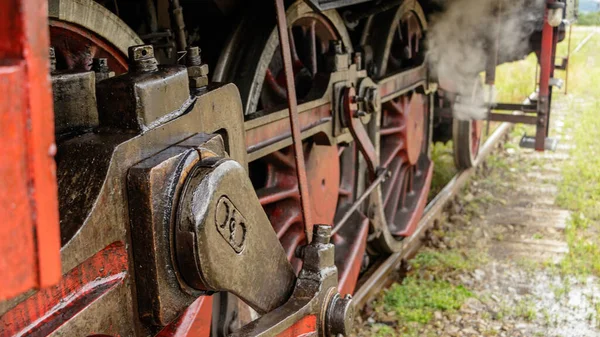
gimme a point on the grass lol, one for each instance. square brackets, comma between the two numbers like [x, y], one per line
[444, 168]
[589, 19]
[438, 262]
[416, 300]
[579, 190]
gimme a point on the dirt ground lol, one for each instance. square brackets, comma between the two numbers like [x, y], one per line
[507, 257]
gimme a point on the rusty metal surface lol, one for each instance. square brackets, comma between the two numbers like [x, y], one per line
[145, 98]
[153, 187]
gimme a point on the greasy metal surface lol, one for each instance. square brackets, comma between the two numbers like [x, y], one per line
[92, 172]
[377, 279]
[28, 203]
[74, 96]
[313, 294]
[143, 100]
[282, 28]
[222, 236]
[154, 185]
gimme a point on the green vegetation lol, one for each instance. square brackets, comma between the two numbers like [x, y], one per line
[415, 300]
[516, 81]
[444, 168]
[438, 262]
[580, 189]
[589, 19]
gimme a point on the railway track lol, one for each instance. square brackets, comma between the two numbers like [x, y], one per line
[379, 276]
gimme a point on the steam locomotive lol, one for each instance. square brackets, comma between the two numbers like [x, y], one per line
[229, 167]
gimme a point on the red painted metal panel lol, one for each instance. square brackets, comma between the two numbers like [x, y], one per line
[546, 67]
[307, 326]
[48, 309]
[29, 234]
[194, 321]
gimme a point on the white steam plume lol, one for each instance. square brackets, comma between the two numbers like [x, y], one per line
[462, 36]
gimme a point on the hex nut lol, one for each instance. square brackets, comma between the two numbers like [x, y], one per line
[198, 82]
[195, 71]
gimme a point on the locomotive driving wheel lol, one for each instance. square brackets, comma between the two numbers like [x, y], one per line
[256, 67]
[81, 31]
[402, 133]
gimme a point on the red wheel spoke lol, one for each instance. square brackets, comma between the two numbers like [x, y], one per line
[392, 206]
[281, 160]
[284, 220]
[391, 148]
[274, 194]
[387, 188]
[392, 130]
[274, 86]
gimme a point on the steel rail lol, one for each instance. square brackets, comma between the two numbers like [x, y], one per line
[377, 279]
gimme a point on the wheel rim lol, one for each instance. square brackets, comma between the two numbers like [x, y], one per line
[76, 47]
[82, 30]
[309, 43]
[401, 133]
[256, 67]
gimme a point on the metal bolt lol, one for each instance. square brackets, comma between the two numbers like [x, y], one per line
[52, 59]
[321, 234]
[141, 58]
[193, 56]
